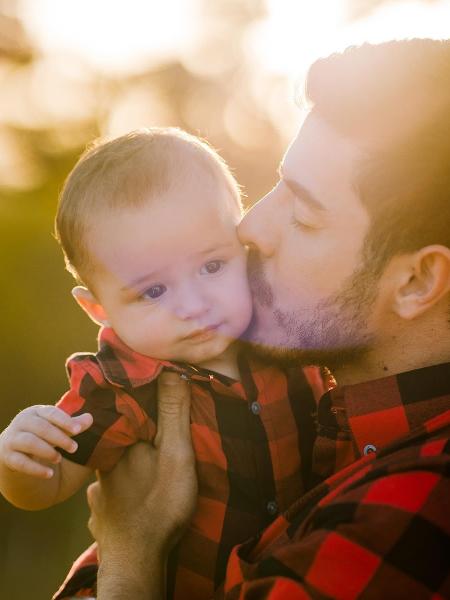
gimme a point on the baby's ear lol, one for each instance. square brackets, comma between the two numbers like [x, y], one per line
[90, 305]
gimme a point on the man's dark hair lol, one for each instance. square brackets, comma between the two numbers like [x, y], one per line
[393, 98]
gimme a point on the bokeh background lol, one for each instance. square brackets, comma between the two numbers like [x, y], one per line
[71, 70]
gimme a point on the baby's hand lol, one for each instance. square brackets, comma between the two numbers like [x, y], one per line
[35, 433]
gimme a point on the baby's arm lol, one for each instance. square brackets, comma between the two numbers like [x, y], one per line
[33, 475]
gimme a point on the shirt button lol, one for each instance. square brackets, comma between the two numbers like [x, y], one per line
[255, 407]
[369, 449]
[272, 507]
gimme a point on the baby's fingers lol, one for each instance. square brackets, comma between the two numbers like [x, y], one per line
[16, 461]
[56, 416]
[83, 421]
[29, 443]
[51, 434]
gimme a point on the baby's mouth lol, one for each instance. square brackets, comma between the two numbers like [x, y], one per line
[202, 334]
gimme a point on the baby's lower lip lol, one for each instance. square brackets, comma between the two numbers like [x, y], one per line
[202, 335]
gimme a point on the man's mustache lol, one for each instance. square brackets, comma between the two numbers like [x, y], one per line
[260, 289]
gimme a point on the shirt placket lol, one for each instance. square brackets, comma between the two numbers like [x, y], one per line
[257, 425]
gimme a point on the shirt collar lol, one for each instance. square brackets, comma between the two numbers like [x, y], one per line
[375, 413]
[124, 367]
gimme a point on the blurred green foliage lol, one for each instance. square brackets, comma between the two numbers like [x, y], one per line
[40, 326]
[40, 322]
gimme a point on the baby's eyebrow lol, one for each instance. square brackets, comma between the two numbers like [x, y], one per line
[137, 282]
[215, 248]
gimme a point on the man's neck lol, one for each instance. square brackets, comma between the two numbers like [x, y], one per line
[398, 356]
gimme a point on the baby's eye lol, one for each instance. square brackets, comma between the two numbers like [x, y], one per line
[213, 266]
[154, 292]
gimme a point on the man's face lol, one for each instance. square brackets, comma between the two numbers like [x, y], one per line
[312, 295]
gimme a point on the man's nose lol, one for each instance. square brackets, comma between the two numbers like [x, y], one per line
[259, 227]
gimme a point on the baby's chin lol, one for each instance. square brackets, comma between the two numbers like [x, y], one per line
[204, 352]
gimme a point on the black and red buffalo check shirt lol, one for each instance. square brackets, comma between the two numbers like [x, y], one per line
[252, 440]
[379, 526]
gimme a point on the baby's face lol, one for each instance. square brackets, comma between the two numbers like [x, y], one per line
[171, 274]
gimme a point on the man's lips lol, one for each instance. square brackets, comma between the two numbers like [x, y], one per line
[203, 334]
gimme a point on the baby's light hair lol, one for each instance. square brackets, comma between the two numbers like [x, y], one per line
[128, 171]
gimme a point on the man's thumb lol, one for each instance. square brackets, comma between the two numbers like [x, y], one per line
[174, 400]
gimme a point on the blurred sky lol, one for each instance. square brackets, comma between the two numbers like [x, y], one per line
[81, 46]
[126, 35]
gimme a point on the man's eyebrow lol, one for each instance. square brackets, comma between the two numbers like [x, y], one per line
[299, 190]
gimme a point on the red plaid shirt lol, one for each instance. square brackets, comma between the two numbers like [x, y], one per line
[252, 440]
[379, 526]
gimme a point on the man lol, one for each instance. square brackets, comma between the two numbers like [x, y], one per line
[350, 267]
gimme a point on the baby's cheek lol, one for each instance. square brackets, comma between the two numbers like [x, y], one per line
[240, 287]
[146, 339]
[246, 293]
[248, 310]
[242, 303]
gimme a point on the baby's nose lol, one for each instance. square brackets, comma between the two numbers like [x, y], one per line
[193, 305]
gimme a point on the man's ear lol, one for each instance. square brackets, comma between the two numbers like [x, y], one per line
[426, 280]
[90, 305]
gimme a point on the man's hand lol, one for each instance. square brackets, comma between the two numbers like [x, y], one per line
[140, 508]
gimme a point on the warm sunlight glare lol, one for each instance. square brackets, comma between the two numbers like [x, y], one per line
[112, 36]
[295, 33]
[127, 36]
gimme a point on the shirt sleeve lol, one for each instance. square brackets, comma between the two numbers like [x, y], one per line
[119, 418]
[385, 536]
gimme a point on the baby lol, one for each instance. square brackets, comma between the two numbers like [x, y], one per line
[147, 223]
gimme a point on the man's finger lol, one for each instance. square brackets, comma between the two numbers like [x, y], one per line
[174, 401]
[92, 494]
[137, 455]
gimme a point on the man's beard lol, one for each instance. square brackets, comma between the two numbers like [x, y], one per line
[334, 332]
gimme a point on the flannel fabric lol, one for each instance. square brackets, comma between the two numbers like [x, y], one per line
[379, 525]
[252, 440]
